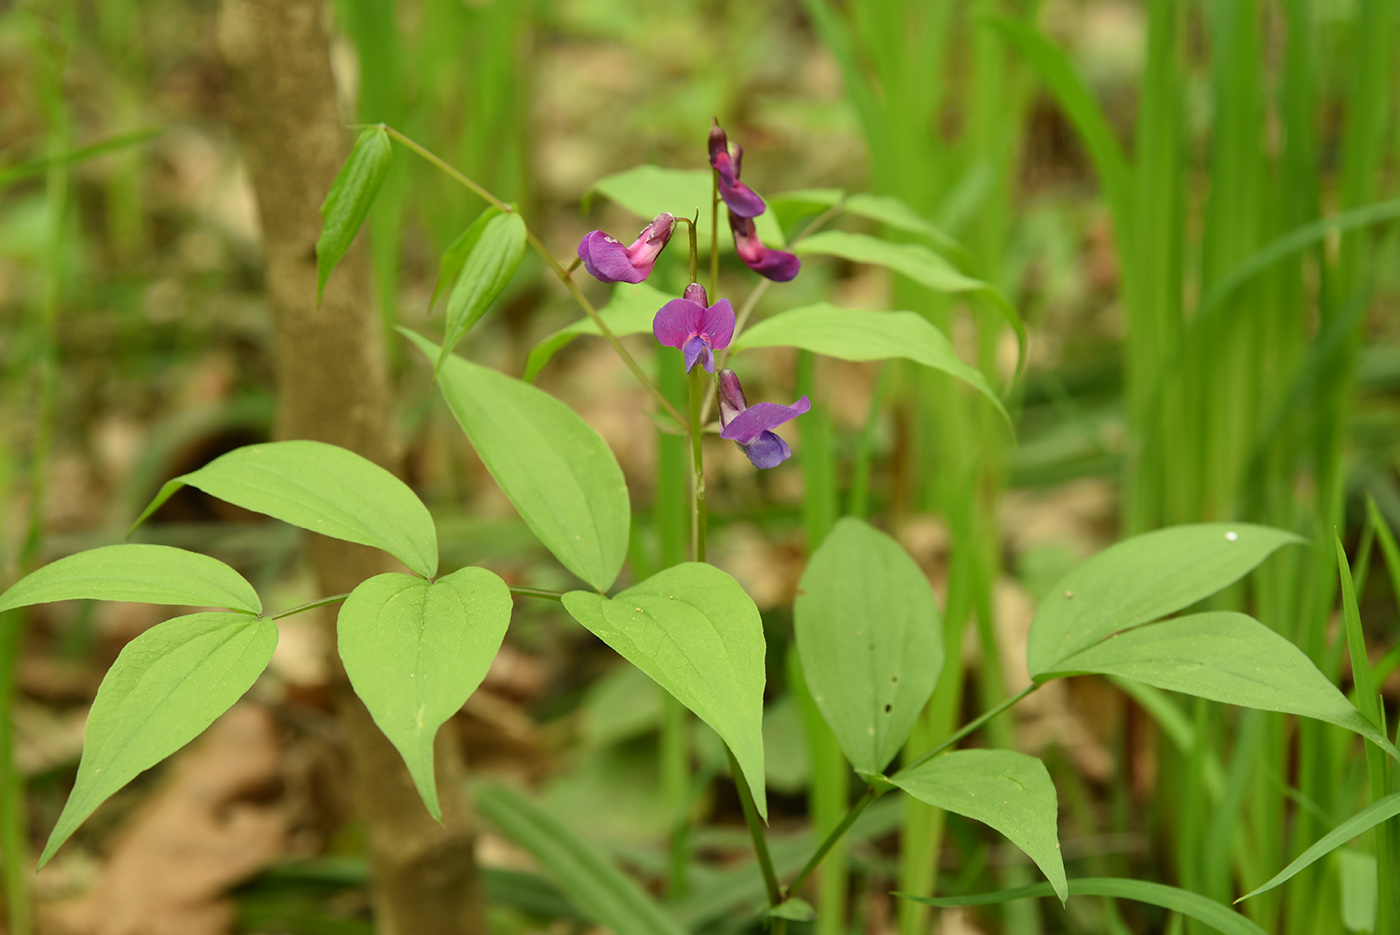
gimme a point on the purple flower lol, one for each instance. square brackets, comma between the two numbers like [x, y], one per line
[607, 260]
[738, 197]
[750, 426]
[686, 323]
[773, 264]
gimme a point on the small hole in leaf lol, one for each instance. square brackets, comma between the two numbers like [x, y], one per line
[889, 708]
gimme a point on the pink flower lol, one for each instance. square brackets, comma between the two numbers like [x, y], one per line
[772, 264]
[750, 426]
[607, 260]
[738, 197]
[688, 324]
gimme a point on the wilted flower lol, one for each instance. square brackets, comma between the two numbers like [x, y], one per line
[738, 197]
[750, 426]
[688, 324]
[773, 264]
[607, 260]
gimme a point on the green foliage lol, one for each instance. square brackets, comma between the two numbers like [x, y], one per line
[695, 631]
[1369, 817]
[856, 334]
[1010, 791]
[631, 310]
[1142, 579]
[347, 203]
[1224, 656]
[415, 652]
[605, 894]
[486, 272]
[648, 190]
[166, 687]
[151, 574]
[870, 639]
[457, 252]
[1191, 905]
[325, 489]
[558, 472]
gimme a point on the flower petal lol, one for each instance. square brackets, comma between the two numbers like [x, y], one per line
[650, 242]
[606, 259]
[717, 321]
[694, 349]
[677, 322]
[740, 199]
[759, 418]
[731, 397]
[767, 451]
[773, 264]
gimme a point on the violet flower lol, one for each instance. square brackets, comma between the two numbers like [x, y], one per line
[607, 260]
[688, 324]
[738, 197]
[772, 264]
[750, 426]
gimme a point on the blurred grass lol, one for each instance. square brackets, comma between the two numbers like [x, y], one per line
[1188, 201]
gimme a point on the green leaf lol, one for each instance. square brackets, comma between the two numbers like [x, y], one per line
[1143, 579]
[895, 213]
[857, 334]
[698, 635]
[631, 311]
[1357, 871]
[556, 471]
[798, 910]
[1009, 791]
[1379, 811]
[1198, 907]
[167, 685]
[870, 639]
[347, 204]
[151, 574]
[457, 252]
[600, 890]
[1228, 657]
[648, 190]
[416, 651]
[485, 275]
[917, 262]
[323, 488]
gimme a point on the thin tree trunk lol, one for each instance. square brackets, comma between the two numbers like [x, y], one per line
[333, 386]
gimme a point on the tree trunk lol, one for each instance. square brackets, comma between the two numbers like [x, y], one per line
[333, 386]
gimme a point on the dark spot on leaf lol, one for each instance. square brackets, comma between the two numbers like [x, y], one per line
[889, 708]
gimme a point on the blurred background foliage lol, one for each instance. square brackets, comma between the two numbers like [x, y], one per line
[1149, 181]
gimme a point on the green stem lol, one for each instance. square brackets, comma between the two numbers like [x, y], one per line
[760, 841]
[968, 728]
[714, 233]
[697, 464]
[862, 803]
[537, 592]
[311, 605]
[694, 246]
[560, 271]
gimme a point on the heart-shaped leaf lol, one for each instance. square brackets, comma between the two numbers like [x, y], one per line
[870, 639]
[166, 686]
[1143, 579]
[416, 651]
[1010, 791]
[323, 488]
[698, 635]
[1228, 657]
[554, 468]
[151, 574]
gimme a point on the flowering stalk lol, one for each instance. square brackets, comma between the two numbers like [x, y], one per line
[714, 232]
[564, 275]
[697, 466]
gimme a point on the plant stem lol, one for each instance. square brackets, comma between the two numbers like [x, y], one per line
[694, 246]
[862, 803]
[714, 233]
[560, 271]
[537, 592]
[760, 842]
[697, 464]
[968, 728]
[311, 605]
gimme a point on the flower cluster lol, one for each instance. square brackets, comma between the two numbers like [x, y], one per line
[743, 206]
[691, 323]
